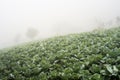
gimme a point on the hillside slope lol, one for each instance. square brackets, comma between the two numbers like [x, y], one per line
[87, 56]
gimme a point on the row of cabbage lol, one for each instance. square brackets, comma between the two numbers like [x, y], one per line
[87, 56]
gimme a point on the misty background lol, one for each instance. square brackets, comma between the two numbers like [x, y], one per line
[25, 20]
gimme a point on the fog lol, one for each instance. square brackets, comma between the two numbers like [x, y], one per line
[53, 18]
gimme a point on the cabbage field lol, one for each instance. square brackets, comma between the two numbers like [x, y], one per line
[86, 56]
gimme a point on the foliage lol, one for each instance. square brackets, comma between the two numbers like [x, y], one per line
[87, 56]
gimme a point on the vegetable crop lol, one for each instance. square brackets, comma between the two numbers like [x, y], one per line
[86, 56]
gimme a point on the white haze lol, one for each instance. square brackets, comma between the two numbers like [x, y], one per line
[52, 17]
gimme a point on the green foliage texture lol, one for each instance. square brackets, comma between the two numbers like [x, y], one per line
[86, 56]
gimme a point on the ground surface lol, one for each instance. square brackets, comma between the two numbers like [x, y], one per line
[87, 56]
